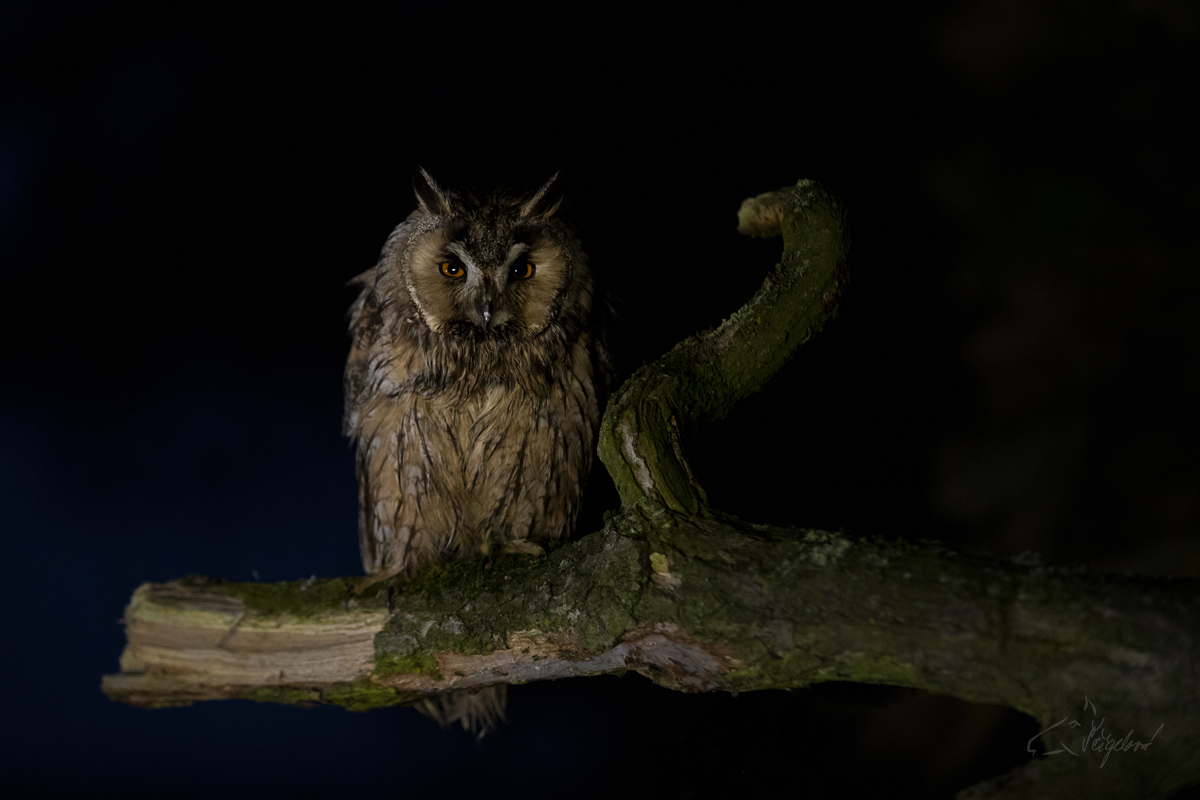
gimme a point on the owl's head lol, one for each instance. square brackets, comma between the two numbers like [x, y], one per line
[498, 268]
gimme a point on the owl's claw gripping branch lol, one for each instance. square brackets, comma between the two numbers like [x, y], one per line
[701, 379]
[367, 581]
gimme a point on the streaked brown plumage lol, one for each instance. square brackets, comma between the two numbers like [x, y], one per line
[471, 387]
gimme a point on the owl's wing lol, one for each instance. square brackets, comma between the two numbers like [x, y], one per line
[381, 422]
[364, 325]
[366, 516]
[364, 329]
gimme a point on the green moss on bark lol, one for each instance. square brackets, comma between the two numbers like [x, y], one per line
[301, 599]
[413, 663]
[364, 695]
[287, 694]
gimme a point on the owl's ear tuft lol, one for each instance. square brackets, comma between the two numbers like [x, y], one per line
[545, 201]
[431, 197]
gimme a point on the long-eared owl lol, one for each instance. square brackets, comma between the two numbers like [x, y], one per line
[472, 382]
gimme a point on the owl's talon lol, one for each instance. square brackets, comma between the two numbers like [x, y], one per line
[524, 547]
[365, 583]
[374, 578]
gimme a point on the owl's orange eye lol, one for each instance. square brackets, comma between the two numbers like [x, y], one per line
[522, 271]
[452, 269]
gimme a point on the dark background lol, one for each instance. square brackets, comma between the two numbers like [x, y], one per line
[184, 194]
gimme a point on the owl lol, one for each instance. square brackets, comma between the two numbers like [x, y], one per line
[473, 385]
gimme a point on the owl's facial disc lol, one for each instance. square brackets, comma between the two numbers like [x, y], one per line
[473, 288]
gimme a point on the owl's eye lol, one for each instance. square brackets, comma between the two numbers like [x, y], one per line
[452, 269]
[522, 270]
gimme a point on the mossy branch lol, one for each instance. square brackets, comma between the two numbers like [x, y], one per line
[698, 601]
[698, 604]
[704, 376]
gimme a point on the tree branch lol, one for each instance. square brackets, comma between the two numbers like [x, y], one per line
[702, 377]
[696, 600]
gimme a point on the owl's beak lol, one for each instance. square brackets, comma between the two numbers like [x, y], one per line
[485, 311]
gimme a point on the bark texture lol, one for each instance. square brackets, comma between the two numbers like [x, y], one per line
[699, 601]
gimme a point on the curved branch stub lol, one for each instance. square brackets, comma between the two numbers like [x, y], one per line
[702, 378]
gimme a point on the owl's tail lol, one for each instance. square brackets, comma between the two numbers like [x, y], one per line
[477, 710]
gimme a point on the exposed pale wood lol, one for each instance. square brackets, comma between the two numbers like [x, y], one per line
[201, 642]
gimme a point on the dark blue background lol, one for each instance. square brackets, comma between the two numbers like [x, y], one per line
[183, 195]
